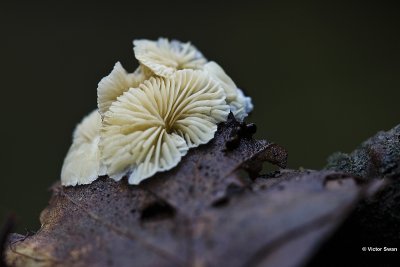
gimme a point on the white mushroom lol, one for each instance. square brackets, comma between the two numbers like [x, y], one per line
[115, 84]
[148, 129]
[240, 104]
[164, 57]
[82, 163]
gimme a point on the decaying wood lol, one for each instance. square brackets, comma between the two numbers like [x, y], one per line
[206, 212]
[376, 220]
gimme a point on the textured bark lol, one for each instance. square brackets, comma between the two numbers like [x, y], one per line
[206, 212]
[376, 221]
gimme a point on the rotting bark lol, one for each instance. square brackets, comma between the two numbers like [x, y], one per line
[205, 212]
[376, 220]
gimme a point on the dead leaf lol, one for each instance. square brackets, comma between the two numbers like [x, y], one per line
[201, 213]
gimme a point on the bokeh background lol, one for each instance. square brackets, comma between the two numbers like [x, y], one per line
[323, 75]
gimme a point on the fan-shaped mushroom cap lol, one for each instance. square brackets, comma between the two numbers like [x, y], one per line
[164, 57]
[82, 163]
[115, 84]
[218, 74]
[240, 104]
[148, 129]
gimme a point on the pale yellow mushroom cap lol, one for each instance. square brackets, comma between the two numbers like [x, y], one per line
[82, 163]
[240, 104]
[164, 57]
[218, 74]
[148, 129]
[115, 84]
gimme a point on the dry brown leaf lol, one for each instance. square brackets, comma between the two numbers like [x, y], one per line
[201, 213]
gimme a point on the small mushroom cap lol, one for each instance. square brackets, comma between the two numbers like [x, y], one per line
[219, 75]
[164, 57]
[240, 104]
[148, 129]
[82, 164]
[115, 84]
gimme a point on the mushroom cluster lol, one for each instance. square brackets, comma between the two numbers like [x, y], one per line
[147, 120]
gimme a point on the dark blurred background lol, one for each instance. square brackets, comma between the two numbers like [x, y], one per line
[324, 76]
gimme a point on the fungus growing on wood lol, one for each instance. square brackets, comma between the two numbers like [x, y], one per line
[115, 84]
[148, 129]
[82, 164]
[240, 104]
[164, 57]
[150, 118]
